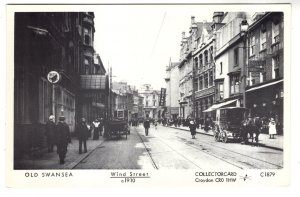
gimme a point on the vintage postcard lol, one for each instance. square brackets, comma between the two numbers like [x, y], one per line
[137, 95]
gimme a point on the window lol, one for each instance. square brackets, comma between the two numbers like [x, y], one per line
[147, 97]
[153, 96]
[234, 84]
[275, 67]
[200, 83]
[275, 32]
[221, 68]
[236, 57]
[196, 64]
[211, 78]
[252, 45]
[196, 85]
[205, 58]
[206, 81]
[211, 52]
[221, 90]
[146, 103]
[154, 102]
[87, 39]
[200, 61]
[263, 38]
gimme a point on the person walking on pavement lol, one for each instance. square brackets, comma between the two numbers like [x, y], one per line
[192, 126]
[96, 127]
[147, 125]
[50, 133]
[63, 138]
[83, 134]
[272, 128]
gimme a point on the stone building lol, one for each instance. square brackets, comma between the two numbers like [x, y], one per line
[264, 91]
[151, 101]
[172, 90]
[44, 42]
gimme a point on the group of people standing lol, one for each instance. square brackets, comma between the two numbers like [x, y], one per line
[59, 135]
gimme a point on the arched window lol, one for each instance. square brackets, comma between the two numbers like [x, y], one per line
[196, 64]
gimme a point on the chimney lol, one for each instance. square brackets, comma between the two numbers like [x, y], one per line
[217, 17]
[192, 20]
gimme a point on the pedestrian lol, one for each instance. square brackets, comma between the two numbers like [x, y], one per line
[155, 124]
[83, 134]
[63, 138]
[147, 125]
[192, 126]
[96, 128]
[272, 128]
[206, 124]
[50, 133]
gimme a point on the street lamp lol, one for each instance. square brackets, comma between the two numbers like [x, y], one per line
[244, 33]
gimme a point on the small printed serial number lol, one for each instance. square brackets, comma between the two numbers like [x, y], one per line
[267, 174]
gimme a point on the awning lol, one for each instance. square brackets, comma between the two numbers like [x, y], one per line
[263, 86]
[219, 105]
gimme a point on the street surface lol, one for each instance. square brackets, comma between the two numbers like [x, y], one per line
[169, 148]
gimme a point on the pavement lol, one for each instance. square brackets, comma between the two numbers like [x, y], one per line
[41, 159]
[264, 139]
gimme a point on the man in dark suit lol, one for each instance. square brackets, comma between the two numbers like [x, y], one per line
[63, 138]
[83, 133]
[147, 125]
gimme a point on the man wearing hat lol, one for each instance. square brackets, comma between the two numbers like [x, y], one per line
[63, 138]
[50, 132]
[83, 134]
[192, 126]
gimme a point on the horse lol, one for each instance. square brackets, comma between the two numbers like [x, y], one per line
[250, 126]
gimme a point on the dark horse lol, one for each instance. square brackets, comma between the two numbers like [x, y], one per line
[250, 126]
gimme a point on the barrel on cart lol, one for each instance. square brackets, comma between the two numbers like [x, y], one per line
[116, 128]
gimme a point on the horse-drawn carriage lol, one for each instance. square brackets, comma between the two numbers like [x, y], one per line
[228, 123]
[116, 128]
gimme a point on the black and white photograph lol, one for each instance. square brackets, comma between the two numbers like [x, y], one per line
[150, 87]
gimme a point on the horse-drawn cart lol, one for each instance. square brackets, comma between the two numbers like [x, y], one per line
[116, 128]
[228, 123]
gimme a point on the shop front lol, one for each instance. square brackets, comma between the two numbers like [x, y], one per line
[266, 101]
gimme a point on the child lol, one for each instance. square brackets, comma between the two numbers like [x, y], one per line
[272, 128]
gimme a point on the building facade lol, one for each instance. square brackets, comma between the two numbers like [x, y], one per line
[151, 101]
[266, 66]
[230, 61]
[172, 90]
[44, 42]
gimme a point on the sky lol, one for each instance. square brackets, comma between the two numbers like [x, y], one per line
[138, 41]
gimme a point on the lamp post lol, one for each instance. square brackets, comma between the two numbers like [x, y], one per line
[244, 34]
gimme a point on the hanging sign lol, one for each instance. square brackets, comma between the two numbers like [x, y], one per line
[53, 77]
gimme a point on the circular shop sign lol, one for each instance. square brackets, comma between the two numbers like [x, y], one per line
[53, 77]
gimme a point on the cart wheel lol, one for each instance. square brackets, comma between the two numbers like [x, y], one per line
[225, 137]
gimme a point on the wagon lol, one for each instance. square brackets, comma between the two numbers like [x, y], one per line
[116, 128]
[228, 123]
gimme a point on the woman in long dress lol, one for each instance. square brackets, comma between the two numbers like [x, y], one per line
[272, 128]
